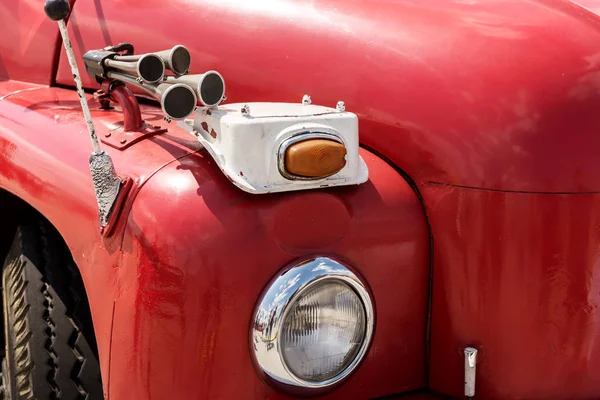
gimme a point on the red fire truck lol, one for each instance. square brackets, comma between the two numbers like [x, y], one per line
[347, 199]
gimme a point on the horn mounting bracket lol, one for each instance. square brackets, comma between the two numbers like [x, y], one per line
[121, 139]
[132, 129]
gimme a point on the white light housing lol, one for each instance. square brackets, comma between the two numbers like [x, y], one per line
[312, 326]
[248, 143]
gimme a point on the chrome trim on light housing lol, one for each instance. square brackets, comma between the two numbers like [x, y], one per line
[300, 138]
[272, 310]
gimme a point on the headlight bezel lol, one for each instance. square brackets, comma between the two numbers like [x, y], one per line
[278, 299]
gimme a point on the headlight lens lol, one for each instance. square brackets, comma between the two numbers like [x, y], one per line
[323, 331]
[312, 326]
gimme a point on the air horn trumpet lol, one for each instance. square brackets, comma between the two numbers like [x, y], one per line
[176, 100]
[150, 68]
[209, 86]
[177, 59]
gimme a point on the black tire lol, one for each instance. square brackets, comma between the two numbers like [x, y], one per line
[50, 345]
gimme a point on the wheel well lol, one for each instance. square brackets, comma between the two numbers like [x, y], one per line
[14, 211]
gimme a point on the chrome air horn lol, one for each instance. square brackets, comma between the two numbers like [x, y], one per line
[209, 86]
[176, 100]
[149, 67]
[177, 59]
[178, 94]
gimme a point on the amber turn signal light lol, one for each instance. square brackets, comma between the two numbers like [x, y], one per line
[314, 158]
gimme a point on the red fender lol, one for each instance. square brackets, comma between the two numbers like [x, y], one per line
[172, 289]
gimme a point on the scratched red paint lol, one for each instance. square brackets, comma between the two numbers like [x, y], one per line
[489, 106]
[176, 281]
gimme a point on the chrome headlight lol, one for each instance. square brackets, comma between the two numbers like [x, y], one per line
[313, 325]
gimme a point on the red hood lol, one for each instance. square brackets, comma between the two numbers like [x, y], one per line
[498, 94]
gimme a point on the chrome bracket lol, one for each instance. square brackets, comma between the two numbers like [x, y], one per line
[470, 369]
[120, 139]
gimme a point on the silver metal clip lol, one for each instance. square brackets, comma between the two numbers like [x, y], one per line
[470, 369]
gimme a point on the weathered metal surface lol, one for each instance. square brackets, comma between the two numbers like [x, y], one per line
[121, 139]
[106, 184]
[44, 151]
[499, 95]
[200, 252]
[516, 275]
[182, 298]
[113, 217]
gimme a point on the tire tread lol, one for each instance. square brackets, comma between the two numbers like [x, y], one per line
[51, 348]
